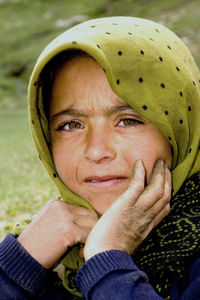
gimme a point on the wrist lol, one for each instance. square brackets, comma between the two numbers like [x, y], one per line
[21, 267]
[28, 243]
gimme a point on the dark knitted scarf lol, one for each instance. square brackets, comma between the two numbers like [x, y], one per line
[166, 254]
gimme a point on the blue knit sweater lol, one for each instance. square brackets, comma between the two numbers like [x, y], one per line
[108, 275]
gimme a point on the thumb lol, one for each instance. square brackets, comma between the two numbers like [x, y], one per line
[137, 184]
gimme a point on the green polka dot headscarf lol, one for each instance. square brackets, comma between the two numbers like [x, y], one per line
[152, 70]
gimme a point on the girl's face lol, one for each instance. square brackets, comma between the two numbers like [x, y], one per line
[96, 137]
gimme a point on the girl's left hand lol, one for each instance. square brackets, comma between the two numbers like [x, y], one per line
[134, 214]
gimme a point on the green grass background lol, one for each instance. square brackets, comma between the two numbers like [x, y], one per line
[26, 27]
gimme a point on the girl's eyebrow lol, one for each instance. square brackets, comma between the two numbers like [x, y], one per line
[89, 113]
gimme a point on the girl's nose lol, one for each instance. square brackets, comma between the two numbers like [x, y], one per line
[100, 146]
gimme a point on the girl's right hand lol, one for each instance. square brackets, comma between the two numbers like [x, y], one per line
[55, 228]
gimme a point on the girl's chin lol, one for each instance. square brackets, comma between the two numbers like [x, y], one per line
[103, 202]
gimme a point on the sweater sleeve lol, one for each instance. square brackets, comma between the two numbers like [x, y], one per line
[192, 292]
[114, 274]
[19, 272]
[22, 277]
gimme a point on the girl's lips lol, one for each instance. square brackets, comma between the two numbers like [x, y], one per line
[105, 181]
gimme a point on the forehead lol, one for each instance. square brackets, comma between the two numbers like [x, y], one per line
[82, 84]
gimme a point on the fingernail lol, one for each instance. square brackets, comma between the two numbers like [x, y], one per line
[139, 163]
[160, 162]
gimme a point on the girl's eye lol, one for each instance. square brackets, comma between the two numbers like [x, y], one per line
[71, 126]
[129, 122]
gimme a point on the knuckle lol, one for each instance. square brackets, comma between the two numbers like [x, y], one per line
[151, 216]
[54, 203]
[143, 223]
[159, 192]
[167, 209]
[71, 207]
[93, 214]
[70, 235]
[79, 239]
[52, 206]
[166, 198]
[81, 236]
[68, 241]
[143, 227]
[138, 188]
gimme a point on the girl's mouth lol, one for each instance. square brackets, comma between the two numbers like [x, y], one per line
[105, 181]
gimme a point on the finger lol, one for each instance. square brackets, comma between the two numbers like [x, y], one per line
[162, 214]
[167, 190]
[162, 208]
[81, 210]
[161, 203]
[155, 190]
[80, 234]
[158, 172]
[149, 223]
[138, 176]
[81, 253]
[168, 182]
[88, 221]
[56, 203]
[137, 183]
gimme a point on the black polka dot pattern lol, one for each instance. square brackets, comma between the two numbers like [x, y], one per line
[144, 107]
[140, 79]
[37, 83]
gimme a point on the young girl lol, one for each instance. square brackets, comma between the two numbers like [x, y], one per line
[114, 104]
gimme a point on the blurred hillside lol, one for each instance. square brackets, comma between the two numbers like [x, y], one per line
[26, 26]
